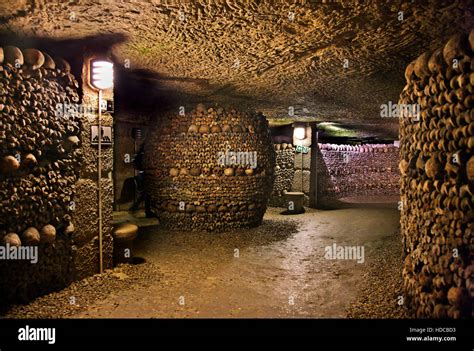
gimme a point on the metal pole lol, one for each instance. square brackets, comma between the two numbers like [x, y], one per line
[316, 169]
[99, 189]
[302, 188]
[135, 197]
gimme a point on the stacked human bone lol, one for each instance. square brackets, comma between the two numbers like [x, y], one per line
[39, 155]
[357, 148]
[284, 173]
[194, 185]
[368, 170]
[437, 175]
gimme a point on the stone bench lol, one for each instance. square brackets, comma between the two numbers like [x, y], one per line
[124, 234]
[297, 199]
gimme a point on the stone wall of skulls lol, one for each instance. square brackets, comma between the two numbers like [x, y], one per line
[437, 174]
[356, 170]
[40, 159]
[284, 173]
[191, 186]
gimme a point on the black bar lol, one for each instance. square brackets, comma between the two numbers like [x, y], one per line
[120, 333]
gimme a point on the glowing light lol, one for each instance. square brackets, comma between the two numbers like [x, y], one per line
[300, 133]
[102, 74]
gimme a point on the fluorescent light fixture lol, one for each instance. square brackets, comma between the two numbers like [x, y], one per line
[102, 74]
[299, 133]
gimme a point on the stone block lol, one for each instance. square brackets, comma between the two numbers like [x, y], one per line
[305, 160]
[85, 217]
[301, 181]
[86, 257]
[90, 152]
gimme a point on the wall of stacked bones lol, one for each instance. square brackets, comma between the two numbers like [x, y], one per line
[190, 188]
[437, 175]
[39, 165]
[284, 173]
[356, 170]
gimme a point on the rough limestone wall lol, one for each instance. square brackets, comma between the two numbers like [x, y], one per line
[284, 173]
[302, 175]
[40, 158]
[124, 168]
[190, 188]
[437, 167]
[359, 170]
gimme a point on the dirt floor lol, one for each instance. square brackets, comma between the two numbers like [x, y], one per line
[276, 270]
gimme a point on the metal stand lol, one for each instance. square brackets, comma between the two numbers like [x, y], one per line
[99, 187]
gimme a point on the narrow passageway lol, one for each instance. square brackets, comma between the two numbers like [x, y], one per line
[276, 270]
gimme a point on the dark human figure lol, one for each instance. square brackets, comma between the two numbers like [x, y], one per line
[139, 179]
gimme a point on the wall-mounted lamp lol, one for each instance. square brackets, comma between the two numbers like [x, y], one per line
[299, 133]
[101, 74]
[101, 77]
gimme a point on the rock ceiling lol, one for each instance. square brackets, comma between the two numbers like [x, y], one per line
[329, 60]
